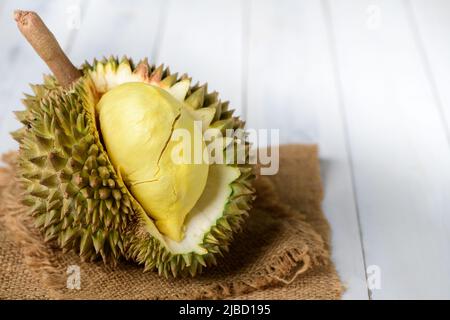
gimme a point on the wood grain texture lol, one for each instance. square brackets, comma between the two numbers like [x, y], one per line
[399, 150]
[291, 87]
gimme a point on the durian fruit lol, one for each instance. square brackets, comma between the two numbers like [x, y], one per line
[95, 162]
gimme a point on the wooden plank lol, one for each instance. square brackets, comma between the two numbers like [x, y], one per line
[117, 28]
[431, 20]
[291, 87]
[399, 149]
[204, 39]
[19, 64]
[2, 4]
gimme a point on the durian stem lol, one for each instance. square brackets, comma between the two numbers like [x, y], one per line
[44, 43]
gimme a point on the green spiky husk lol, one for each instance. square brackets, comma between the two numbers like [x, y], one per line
[76, 196]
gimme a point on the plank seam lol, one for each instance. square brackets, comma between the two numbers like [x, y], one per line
[341, 103]
[246, 16]
[429, 74]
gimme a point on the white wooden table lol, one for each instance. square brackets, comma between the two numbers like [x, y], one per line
[369, 81]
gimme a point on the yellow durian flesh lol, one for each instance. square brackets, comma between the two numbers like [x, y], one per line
[137, 121]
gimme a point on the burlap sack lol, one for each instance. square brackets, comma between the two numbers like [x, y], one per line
[282, 252]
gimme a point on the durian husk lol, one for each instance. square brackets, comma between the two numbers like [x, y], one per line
[74, 193]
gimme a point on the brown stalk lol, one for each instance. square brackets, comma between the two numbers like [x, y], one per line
[44, 43]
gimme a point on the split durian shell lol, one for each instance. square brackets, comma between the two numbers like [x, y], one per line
[77, 197]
